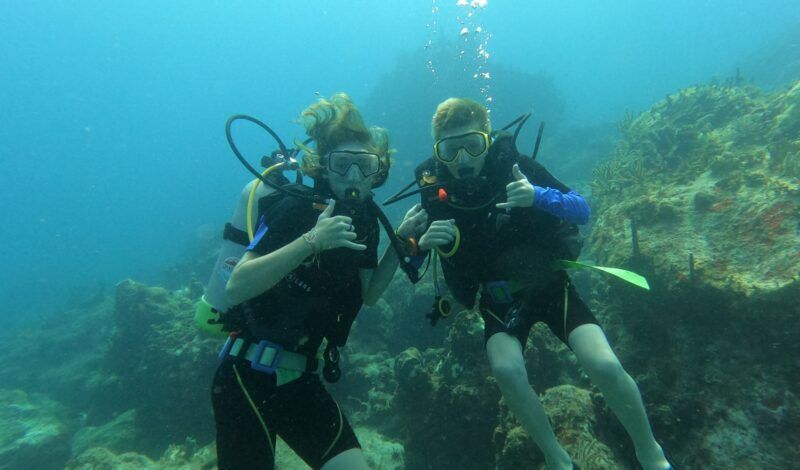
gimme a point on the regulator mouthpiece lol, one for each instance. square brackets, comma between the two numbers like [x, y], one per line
[352, 194]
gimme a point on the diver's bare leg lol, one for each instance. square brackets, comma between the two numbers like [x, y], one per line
[508, 368]
[620, 391]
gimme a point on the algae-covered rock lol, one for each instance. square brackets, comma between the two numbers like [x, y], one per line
[574, 416]
[162, 366]
[410, 371]
[99, 458]
[380, 451]
[446, 395]
[119, 434]
[367, 386]
[138, 350]
[34, 431]
[711, 171]
[176, 457]
[702, 196]
[398, 316]
[62, 355]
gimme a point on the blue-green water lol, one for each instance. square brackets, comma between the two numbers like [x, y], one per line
[115, 165]
[112, 110]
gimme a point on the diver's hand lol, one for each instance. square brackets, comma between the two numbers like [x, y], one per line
[414, 222]
[520, 192]
[332, 232]
[441, 232]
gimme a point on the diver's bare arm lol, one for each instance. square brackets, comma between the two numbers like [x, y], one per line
[374, 282]
[255, 274]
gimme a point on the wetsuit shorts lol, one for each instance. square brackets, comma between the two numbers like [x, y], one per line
[250, 413]
[546, 306]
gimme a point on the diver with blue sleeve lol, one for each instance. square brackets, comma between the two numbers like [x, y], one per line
[506, 228]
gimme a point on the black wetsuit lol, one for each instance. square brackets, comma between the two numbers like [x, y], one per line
[518, 247]
[318, 299]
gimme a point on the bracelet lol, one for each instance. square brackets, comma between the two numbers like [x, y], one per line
[310, 237]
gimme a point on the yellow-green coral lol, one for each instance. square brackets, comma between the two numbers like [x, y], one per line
[711, 170]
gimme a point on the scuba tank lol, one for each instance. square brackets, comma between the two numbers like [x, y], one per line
[239, 230]
[234, 242]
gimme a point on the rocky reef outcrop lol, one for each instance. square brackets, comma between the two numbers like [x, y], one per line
[577, 417]
[702, 195]
[35, 430]
[711, 171]
[161, 365]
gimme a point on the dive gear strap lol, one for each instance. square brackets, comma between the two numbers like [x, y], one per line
[235, 235]
[267, 357]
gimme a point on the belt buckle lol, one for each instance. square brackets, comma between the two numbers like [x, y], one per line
[226, 348]
[270, 368]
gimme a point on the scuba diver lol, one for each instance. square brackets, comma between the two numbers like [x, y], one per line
[500, 223]
[310, 266]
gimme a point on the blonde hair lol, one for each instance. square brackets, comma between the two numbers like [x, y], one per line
[335, 121]
[458, 112]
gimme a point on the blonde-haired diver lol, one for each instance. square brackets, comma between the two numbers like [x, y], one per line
[302, 280]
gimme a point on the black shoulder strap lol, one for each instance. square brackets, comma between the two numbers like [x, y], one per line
[240, 237]
[235, 235]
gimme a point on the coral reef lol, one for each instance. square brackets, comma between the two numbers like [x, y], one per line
[702, 196]
[122, 380]
[447, 400]
[574, 415]
[62, 356]
[176, 457]
[707, 171]
[447, 394]
[34, 431]
[119, 434]
[379, 451]
[158, 360]
[368, 387]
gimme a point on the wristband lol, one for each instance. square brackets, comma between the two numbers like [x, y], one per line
[310, 237]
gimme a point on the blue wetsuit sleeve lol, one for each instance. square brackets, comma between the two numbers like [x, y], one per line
[571, 207]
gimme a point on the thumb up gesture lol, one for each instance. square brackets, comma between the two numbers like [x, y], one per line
[333, 232]
[520, 192]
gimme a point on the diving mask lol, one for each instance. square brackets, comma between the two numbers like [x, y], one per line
[474, 143]
[340, 161]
